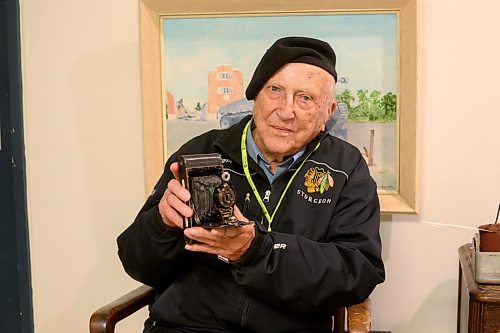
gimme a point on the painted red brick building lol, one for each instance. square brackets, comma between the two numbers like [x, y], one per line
[225, 85]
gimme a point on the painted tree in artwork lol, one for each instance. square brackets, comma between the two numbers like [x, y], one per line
[389, 105]
[346, 97]
[370, 105]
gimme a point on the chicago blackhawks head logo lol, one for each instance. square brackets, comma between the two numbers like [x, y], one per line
[317, 180]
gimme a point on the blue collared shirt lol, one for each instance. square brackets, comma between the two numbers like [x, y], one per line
[255, 153]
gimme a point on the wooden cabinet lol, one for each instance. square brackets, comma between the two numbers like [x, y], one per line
[478, 304]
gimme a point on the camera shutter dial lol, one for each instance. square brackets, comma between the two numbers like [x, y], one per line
[226, 196]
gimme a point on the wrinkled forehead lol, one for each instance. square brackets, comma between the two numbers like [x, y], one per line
[304, 75]
[304, 71]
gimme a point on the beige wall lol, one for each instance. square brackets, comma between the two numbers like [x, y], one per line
[81, 73]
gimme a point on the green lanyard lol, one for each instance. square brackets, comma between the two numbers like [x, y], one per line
[244, 161]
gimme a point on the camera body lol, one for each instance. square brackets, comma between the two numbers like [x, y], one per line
[212, 195]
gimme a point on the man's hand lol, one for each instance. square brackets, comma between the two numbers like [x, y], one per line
[172, 205]
[230, 242]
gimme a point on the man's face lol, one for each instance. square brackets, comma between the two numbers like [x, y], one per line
[292, 108]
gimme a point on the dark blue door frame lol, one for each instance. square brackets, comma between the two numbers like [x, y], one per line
[16, 306]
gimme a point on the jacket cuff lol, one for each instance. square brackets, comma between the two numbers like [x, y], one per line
[259, 245]
[161, 228]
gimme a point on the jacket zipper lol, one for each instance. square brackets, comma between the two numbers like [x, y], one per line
[244, 313]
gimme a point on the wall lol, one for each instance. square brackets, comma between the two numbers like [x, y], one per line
[81, 72]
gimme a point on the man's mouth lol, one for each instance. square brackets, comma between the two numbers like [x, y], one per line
[281, 129]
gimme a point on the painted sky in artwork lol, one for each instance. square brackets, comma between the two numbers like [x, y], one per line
[365, 44]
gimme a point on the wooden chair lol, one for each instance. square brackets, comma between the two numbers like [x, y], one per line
[104, 319]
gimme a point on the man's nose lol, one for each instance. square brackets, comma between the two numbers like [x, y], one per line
[287, 109]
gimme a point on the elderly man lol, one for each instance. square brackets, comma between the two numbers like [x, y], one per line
[314, 244]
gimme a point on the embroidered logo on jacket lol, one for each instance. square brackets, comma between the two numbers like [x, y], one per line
[318, 180]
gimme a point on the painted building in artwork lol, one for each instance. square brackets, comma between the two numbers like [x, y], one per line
[225, 85]
[171, 109]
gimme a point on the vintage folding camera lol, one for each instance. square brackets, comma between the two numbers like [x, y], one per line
[212, 195]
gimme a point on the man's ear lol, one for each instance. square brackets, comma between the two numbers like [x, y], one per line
[332, 108]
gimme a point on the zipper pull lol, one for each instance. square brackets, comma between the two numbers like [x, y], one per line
[247, 202]
[266, 196]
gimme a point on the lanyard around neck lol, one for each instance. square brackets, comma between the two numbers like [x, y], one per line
[244, 162]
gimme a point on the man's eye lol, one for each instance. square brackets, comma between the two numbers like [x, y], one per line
[305, 98]
[274, 89]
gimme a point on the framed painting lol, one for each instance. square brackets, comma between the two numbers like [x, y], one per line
[198, 56]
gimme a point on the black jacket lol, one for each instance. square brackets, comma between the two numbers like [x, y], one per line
[323, 252]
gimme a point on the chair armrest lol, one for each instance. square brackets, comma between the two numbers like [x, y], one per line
[359, 317]
[104, 319]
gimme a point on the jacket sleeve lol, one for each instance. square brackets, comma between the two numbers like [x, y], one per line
[315, 276]
[150, 251]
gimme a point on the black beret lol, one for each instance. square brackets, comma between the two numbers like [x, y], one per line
[287, 50]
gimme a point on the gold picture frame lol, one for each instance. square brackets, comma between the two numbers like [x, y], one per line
[406, 198]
